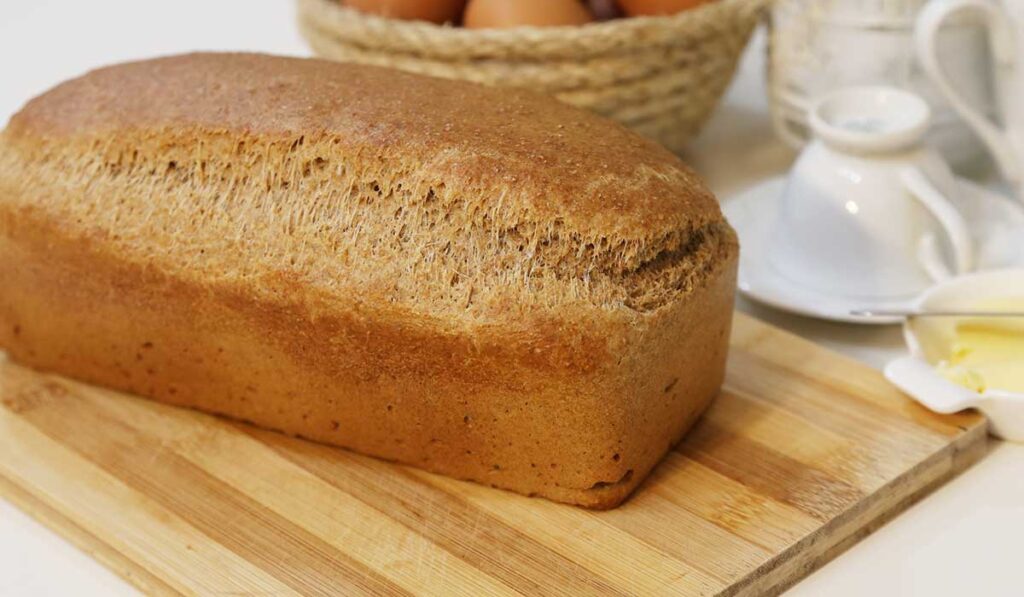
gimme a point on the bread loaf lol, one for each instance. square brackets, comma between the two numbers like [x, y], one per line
[480, 282]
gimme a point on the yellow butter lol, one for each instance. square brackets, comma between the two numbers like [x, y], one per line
[988, 353]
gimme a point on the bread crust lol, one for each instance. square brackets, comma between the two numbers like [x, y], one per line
[564, 162]
[574, 397]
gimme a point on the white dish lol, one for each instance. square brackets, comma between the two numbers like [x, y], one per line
[996, 225]
[916, 374]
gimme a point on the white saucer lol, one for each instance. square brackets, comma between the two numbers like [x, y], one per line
[997, 226]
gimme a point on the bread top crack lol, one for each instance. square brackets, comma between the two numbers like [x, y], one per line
[446, 199]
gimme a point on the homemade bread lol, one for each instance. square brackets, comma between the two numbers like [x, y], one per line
[480, 282]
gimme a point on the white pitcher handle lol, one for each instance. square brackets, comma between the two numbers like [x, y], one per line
[953, 224]
[918, 379]
[929, 22]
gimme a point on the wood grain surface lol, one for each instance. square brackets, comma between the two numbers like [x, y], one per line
[804, 453]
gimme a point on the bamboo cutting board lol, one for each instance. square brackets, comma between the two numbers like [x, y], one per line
[804, 453]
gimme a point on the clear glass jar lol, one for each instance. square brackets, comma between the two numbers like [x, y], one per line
[817, 46]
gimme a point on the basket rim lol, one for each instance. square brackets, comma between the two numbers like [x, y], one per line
[413, 36]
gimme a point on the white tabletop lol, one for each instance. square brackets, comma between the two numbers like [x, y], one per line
[960, 540]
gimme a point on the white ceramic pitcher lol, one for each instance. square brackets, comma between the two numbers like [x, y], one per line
[1005, 21]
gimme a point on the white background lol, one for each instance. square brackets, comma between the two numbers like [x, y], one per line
[964, 539]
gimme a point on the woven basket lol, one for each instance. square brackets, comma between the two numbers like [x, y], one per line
[661, 76]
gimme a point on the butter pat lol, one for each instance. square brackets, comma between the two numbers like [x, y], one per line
[988, 353]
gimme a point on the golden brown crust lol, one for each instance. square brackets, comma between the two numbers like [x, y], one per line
[557, 364]
[473, 406]
[570, 164]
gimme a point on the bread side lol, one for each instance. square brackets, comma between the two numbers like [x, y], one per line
[509, 290]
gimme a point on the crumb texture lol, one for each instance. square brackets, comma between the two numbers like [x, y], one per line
[430, 195]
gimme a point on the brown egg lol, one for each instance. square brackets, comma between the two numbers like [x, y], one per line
[636, 8]
[481, 14]
[435, 11]
[604, 10]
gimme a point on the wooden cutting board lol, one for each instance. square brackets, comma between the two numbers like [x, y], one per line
[805, 453]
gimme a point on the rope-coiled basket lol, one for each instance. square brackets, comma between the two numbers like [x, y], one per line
[661, 76]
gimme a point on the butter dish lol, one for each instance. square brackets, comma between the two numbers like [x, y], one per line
[932, 341]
